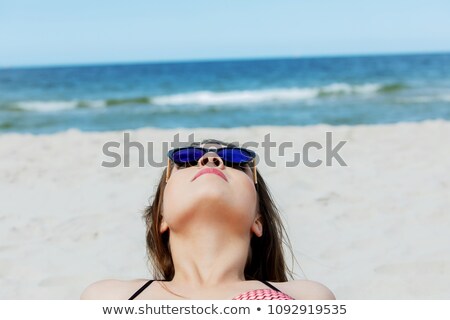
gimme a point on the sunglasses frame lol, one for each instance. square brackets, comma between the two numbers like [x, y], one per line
[215, 150]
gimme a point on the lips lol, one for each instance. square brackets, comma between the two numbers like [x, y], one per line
[210, 170]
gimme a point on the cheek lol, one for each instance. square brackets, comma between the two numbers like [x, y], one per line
[245, 197]
[241, 200]
[175, 194]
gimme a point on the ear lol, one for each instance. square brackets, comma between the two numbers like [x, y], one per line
[257, 227]
[163, 227]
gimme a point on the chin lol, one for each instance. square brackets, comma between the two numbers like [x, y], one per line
[233, 205]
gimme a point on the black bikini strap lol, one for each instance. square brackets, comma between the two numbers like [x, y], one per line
[149, 282]
[269, 285]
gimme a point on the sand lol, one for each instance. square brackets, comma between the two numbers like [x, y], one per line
[375, 229]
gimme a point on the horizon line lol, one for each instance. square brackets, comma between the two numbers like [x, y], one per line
[223, 59]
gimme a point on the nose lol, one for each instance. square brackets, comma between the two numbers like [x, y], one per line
[211, 159]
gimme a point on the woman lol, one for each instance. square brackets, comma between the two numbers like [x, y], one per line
[213, 232]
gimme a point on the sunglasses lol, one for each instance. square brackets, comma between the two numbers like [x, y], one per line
[233, 157]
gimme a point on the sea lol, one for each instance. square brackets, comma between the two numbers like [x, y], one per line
[301, 91]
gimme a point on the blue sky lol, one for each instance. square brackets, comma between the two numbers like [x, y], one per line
[50, 32]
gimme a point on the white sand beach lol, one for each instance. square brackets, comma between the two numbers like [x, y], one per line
[375, 229]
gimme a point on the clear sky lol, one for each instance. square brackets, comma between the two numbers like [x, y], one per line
[54, 32]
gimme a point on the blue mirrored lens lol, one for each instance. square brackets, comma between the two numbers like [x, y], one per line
[228, 155]
[235, 155]
[190, 155]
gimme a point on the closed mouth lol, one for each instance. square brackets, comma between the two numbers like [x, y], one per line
[210, 170]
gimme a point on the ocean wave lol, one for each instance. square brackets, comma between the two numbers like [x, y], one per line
[50, 106]
[212, 98]
[427, 99]
[269, 95]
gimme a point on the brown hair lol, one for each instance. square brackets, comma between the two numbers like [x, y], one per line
[266, 258]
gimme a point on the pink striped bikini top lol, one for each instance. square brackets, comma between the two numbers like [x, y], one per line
[257, 294]
[263, 294]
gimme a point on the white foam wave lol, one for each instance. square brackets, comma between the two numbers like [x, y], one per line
[258, 96]
[52, 106]
[344, 88]
[47, 106]
[232, 97]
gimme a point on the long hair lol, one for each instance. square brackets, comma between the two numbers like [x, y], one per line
[266, 259]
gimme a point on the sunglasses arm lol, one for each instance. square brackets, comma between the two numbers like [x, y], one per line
[168, 170]
[255, 178]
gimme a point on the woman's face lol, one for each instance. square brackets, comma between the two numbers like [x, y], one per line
[210, 193]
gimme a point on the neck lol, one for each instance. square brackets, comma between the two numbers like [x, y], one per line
[207, 257]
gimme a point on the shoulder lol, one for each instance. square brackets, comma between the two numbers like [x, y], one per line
[112, 289]
[305, 290]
